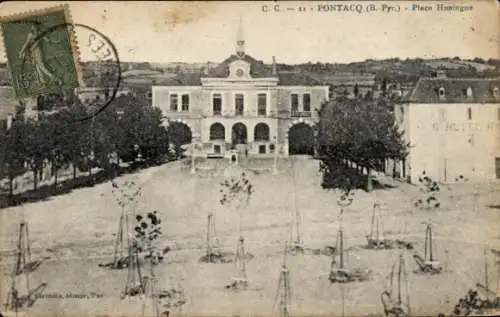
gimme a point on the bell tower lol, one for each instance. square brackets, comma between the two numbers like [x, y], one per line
[240, 41]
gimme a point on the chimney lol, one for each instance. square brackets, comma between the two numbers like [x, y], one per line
[274, 65]
[240, 41]
[207, 68]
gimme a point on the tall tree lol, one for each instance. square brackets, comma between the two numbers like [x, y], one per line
[358, 131]
[14, 146]
[142, 128]
[38, 142]
[356, 90]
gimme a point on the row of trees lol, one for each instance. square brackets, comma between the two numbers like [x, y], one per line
[123, 130]
[356, 135]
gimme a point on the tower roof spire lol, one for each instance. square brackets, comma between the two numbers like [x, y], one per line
[240, 40]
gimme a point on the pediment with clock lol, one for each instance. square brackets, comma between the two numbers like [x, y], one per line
[239, 69]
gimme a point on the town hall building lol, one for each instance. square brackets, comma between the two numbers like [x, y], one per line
[243, 104]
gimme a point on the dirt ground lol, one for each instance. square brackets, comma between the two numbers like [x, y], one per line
[75, 233]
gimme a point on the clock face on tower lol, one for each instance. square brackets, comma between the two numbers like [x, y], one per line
[239, 72]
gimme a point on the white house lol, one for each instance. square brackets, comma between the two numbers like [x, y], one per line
[453, 126]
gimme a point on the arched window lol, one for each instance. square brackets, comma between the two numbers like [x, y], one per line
[261, 132]
[217, 132]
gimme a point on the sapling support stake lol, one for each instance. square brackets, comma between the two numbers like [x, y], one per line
[236, 193]
[213, 253]
[376, 238]
[339, 273]
[147, 231]
[497, 264]
[284, 291]
[484, 303]
[392, 299]
[209, 234]
[135, 282]
[240, 260]
[296, 246]
[151, 293]
[240, 280]
[23, 257]
[342, 291]
[341, 248]
[124, 199]
[486, 280]
[490, 293]
[211, 244]
[428, 263]
[119, 245]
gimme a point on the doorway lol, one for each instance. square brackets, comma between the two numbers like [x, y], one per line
[239, 133]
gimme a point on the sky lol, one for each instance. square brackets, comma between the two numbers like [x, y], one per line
[206, 31]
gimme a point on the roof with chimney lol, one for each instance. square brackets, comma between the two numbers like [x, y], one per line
[455, 90]
[257, 70]
[285, 78]
[296, 78]
[345, 79]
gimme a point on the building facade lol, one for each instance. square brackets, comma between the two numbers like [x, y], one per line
[453, 127]
[245, 105]
[12, 107]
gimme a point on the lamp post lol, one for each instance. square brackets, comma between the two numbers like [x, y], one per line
[193, 168]
[91, 156]
[193, 152]
[275, 164]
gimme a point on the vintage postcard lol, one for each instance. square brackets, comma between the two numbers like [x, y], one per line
[266, 158]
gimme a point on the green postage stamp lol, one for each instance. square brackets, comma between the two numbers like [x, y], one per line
[41, 51]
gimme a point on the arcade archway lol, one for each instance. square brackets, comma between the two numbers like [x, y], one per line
[261, 132]
[239, 133]
[301, 139]
[217, 132]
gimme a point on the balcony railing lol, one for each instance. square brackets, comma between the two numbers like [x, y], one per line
[300, 114]
[242, 114]
[272, 114]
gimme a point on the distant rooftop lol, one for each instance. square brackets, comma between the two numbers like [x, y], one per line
[296, 79]
[141, 72]
[257, 70]
[455, 90]
[346, 79]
